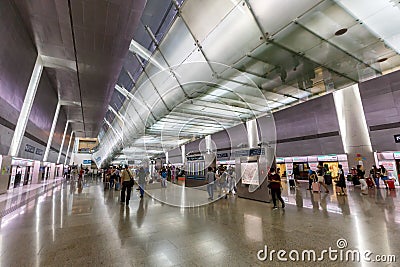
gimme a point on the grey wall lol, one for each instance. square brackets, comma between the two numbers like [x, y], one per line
[309, 128]
[17, 59]
[381, 102]
[175, 155]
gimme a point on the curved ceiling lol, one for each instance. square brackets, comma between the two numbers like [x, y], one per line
[83, 45]
[218, 56]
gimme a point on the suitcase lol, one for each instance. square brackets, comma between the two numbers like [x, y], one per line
[117, 186]
[390, 184]
[370, 182]
[315, 187]
[291, 183]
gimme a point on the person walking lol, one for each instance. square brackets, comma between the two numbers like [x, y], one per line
[341, 181]
[231, 181]
[210, 180]
[275, 186]
[320, 176]
[384, 176]
[142, 181]
[163, 177]
[222, 181]
[126, 177]
[363, 183]
[374, 174]
[311, 178]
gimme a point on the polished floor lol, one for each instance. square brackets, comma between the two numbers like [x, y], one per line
[87, 226]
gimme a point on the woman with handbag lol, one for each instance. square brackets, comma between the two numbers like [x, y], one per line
[126, 181]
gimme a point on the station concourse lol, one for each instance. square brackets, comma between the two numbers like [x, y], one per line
[208, 110]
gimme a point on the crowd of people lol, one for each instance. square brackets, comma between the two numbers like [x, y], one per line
[223, 180]
[123, 179]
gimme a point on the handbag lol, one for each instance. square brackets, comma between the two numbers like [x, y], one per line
[131, 181]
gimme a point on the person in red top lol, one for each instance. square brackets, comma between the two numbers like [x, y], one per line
[275, 185]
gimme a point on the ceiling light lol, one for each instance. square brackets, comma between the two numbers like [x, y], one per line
[341, 32]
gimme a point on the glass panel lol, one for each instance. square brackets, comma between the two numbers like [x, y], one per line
[177, 44]
[231, 47]
[354, 39]
[329, 55]
[379, 16]
[327, 18]
[296, 39]
[276, 14]
[193, 12]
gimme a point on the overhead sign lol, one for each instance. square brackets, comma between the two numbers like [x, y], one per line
[250, 152]
[300, 159]
[29, 148]
[39, 151]
[328, 158]
[87, 162]
[396, 155]
[195, 158]
[397, 138]
[222, 155]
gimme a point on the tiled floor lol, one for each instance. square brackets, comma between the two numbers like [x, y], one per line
[87, 226]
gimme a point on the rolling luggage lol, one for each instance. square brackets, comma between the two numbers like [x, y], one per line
[370, 182]
[291, 183]
[390, 184]
[315, 187]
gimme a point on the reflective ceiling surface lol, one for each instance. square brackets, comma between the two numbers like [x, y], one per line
[219, 63]
[83, 44]
[197, 67]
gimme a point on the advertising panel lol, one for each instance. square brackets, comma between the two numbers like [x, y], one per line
[249, 172]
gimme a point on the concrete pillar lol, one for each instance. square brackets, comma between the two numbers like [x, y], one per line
[69, 145]
[62, 142]
[26, 108]
[208, 143]
[353, 127]
[166, 158]
[183, 150]
[252, 133]
[53, 127]
[74, 150]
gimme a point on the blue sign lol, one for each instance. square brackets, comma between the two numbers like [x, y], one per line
[87, 161]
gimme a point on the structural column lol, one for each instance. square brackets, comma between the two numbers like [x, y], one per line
[74, 150]
[69, 145]
[353, 127]
[252, 133]
[26, 108]
[53, 127]
[183, 150]
[62, 142]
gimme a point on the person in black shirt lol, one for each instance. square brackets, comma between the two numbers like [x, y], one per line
[275, 185]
